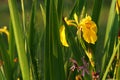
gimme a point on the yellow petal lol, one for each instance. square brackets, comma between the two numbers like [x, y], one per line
[87, 18]
[93, 37]
[70, 22]
[90, 36]
[93, 26]
[118, 6]
[89, 30]
[63, 36]
[4, 30]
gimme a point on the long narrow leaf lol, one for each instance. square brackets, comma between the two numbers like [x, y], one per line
[96, 10]
[47, 41]
[33, 41]
[5, 57]
[108, 35]
[111, 60]
[19, 39]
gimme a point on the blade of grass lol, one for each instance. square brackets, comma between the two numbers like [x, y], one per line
[77, 7]
[54, 68]
[57, 52]
[110, 21]
[117, 68]
[110, 48]
[109, 36]
[2, 76]
[96, 10]
[6, 59]
[47, 43]
[42, 41]
[118, 72]
[33, 41]
[12, 46]
[118, 54]
[60, 9]
[43, 14]
[111, 60]
[19, 39]
[23, 14]
[95, 17]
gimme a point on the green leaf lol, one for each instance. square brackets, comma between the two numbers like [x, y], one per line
[2, 76]
[34, 42]
[110, 37]
[47, 43]
[96, 10]
[78, 7]
[19, 39]
[110, 61]
[43, 14]
[12, 45]
[60, 9]
[6, 59]
[54, 67]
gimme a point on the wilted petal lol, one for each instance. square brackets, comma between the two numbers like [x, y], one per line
[80, 68]
[83, 73]
[74, 65]
[95, 75]
[72, 68]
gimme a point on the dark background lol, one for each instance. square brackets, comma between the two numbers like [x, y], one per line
[5, 18]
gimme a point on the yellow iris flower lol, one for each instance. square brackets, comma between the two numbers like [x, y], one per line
[85, 25]
[89, 29]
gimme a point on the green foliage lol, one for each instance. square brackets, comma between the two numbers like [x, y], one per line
[34, 50]
[19, 39]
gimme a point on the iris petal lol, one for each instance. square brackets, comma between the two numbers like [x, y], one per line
[76, 18]
[63, 36]
[89, 30]
[4, 30]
